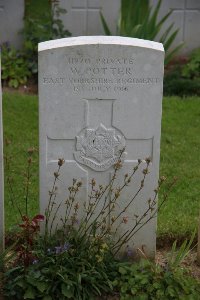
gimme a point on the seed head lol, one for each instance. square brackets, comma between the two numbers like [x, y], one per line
[145, 171]
[29, 160]
[31, 150]
[76, 206]
[117, 194]
[56, 174]
[113, 219]
[93, 182]
[79, 184]
[148, 160]
[118, 165]
[162, 178]
[125, 220]
[61, 161]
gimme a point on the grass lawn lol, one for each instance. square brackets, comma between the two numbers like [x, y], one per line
[180, 157]
[20, 117]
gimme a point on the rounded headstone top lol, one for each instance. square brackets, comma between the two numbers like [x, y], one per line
[103, 40]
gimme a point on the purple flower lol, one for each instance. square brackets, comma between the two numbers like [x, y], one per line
[129, 252]
[35, 261]
[66, 246]
[61, 249]
[58, 249]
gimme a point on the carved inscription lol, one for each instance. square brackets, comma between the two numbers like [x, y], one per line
[103, 74]
[98, 148]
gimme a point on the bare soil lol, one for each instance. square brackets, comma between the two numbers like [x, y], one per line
[190, 262]
[31, 88]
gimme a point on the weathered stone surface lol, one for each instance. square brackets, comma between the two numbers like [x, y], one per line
[97, 95]
[1, 174]
[11, 21]
[87, 12]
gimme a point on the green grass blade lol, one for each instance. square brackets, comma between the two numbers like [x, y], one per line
[165, 34]
[134, 32]
[153, 18]
[170, 40]
[171, 54]
[105, 25]
[162, 21]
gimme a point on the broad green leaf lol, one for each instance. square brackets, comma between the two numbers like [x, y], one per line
[170, 40]
[122, 270]
[47, 298]
[165, 34]
[29, 294]
[67, 291]
[41, 286]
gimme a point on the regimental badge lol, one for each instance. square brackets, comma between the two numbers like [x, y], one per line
[98, 148]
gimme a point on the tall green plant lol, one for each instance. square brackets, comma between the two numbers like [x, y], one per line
[139, 20]
[176, 257]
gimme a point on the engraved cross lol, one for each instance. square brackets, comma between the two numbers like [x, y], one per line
[97, 145]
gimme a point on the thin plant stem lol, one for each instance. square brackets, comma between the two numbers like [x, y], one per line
[133, 231]
[28, 176]
[13, 198]
[110, 186]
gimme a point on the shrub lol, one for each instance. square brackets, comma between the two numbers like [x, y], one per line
[184, 79]
[146, 280]
[15, 69]
[76, 261]
[192, 68]
[65, 271]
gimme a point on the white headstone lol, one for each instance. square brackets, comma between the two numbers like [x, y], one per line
[1, 174]
[98, 94]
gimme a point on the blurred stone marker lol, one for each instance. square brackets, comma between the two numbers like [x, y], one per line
[11, 22]
[1, 174]
[87, 12]
[98, 95]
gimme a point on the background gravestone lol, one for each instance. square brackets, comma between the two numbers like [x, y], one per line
[87, 14]
[97, 95]
[11, 21]
[185, 16]
[1, 174]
